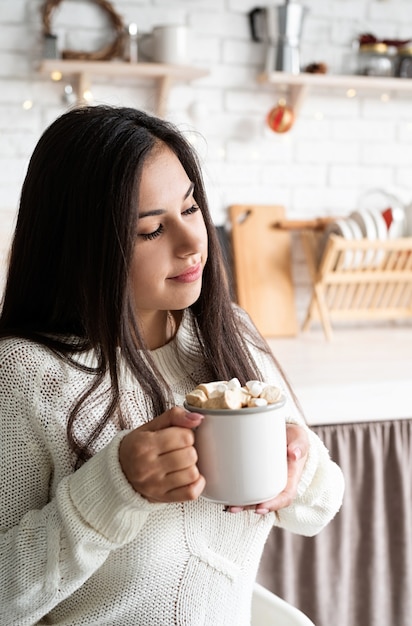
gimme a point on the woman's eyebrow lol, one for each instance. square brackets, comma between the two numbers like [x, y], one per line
[151, 213]
[161, 211]
[189, 191]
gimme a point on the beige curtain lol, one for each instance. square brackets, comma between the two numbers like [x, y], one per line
[358, 570]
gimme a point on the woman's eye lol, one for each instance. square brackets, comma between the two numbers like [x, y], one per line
[159, 230]
[153, 235]
[191, 210]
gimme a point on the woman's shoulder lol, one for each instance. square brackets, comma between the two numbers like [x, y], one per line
[241, 314]
[20, 357]
[29, 369]
[24, 368]
[20, 350]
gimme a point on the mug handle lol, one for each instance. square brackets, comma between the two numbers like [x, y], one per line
[252, 23]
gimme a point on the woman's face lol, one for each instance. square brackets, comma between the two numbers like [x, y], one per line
[171, 245]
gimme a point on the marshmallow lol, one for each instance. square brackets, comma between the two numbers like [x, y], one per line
[257, 402]
[208, 388]
[234, 383]
[271, 394]
[223, 394]
[197, 398]
[230, 399]
[255, 387]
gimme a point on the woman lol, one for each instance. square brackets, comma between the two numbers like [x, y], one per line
[115, 307]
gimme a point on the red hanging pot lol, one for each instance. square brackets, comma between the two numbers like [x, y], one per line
[280, 119]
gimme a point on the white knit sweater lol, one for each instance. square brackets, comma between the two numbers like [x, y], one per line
[84, 548]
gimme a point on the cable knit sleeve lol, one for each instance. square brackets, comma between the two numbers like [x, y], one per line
[52, 539]
[321, 487]
[320, 493]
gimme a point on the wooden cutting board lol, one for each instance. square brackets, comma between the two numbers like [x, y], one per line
[262, 267]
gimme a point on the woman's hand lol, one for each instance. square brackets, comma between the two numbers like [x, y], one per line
[297, 452]
[159, 459]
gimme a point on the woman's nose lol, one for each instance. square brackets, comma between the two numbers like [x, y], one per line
[188, 240]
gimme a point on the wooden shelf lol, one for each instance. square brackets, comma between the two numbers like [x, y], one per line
[82, 71]
[298, 85]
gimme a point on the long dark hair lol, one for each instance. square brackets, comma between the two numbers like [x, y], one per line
[67, 284]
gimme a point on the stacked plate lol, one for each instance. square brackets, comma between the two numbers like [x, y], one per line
[365, 223]
[390, 207]
[383, 217]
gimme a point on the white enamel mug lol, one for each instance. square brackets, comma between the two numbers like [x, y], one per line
[242, 453]
[167, 44]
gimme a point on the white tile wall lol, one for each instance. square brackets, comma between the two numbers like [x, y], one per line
[337, 149]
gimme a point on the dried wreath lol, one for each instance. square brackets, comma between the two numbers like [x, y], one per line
[111, 50]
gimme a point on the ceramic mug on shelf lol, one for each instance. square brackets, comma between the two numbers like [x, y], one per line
[242, 453]
[166, 44]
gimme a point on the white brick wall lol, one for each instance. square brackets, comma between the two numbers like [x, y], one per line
[338, 148]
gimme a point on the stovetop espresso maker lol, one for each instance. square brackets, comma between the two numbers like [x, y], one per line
[280, 28]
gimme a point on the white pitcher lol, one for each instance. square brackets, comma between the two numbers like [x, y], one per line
[166, 44]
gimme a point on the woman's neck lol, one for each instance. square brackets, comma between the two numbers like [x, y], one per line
[160, 327]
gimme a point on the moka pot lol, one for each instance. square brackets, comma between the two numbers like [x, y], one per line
[280, 28]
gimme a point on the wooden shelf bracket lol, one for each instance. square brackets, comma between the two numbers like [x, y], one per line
[81, 72]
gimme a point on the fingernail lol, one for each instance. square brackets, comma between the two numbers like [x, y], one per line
[297, 452]
[235, 509]
[194, 416]
[261, 511]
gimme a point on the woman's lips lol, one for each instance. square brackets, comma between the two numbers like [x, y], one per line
[190, 275]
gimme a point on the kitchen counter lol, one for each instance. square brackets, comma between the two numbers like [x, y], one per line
[363, 374]
[356, 391]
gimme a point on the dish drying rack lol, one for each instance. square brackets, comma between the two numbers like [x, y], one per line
[355, 279]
